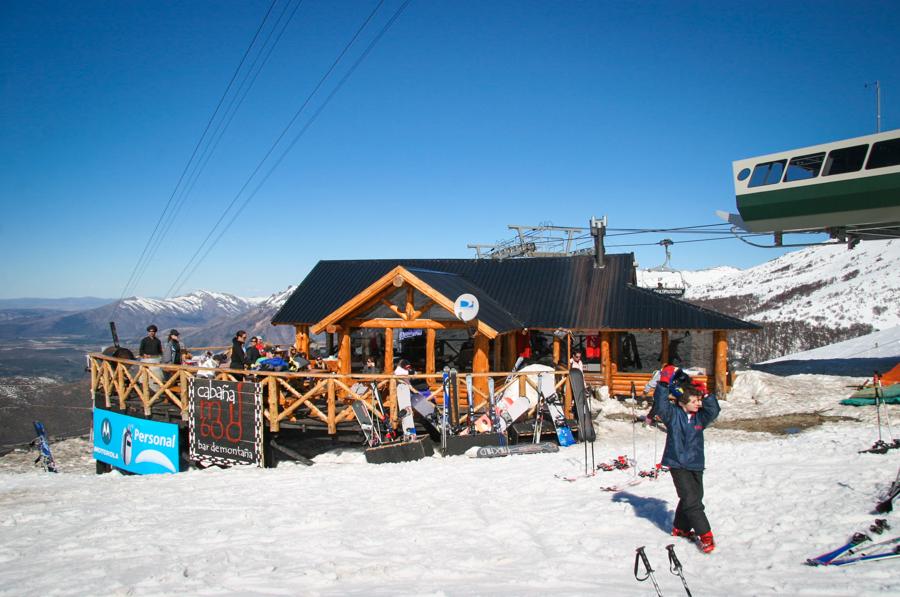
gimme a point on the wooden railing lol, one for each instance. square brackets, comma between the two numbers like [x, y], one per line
[317, 395]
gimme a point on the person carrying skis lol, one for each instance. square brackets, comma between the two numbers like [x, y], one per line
[686, 409]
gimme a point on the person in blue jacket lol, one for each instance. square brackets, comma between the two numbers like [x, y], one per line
[686, 409]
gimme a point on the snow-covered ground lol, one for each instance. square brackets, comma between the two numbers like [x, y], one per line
[461, 526]
[883, 344]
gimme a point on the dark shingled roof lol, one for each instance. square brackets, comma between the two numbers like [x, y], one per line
[452, 285]
[546, 292]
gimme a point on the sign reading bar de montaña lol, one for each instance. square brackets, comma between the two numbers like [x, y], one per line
[225, 421]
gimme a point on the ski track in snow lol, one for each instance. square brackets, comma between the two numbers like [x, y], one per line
[461, 526]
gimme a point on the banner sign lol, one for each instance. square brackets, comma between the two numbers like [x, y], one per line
[136, 445]
[411, 333]
[225, 421]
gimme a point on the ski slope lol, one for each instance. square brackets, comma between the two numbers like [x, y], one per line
[461, 526]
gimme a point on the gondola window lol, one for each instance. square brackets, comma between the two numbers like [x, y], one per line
[767, 173]
[884, 154]
[845, 159]
[804, 167]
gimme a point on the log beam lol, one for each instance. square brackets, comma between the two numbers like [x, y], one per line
[480, 362]
[509, 341]
[720, 359]
[429, 350]
[344, 354]
[424, 324]
[605, 360]
[388, 351]
[301, 339]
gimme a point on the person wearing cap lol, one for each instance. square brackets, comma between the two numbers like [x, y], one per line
[151, 347]
[173, 348]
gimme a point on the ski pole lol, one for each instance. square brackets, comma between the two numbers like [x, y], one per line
[470, 404]
[879, 397]
[539, 411]
[676, 569]
[633, 429]
[445, 413]
[492, 406]
[639, 558]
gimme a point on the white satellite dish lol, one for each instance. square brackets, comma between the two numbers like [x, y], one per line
[466, 307]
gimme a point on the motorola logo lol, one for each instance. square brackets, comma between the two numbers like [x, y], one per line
[106, 431]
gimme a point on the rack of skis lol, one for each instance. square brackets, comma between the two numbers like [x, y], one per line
[438, 414]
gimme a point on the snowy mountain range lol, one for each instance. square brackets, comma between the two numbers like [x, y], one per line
[805, 299]
[190, 312]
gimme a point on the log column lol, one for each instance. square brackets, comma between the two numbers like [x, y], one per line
[429, 350]
[557, 350]
[480, 362]
[509, 340]
[615, 342]
[344, 354]
[720, 359]
[388, 351]
[301, 339]
[605, 361]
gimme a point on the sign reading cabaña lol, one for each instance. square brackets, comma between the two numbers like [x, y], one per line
[225, 421]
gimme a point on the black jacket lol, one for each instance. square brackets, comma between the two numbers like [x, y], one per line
[150, 347]
[252, 355]
[237, 355]
[173, 352]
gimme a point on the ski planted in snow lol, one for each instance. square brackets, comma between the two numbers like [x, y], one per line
[557, 415]
[45, 457]
[404, 404]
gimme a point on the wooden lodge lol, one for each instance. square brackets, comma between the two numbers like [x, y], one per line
[540, 308]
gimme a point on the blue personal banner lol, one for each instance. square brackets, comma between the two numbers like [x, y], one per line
[136, 445]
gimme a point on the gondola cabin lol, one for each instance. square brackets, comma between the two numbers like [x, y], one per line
[845, 185]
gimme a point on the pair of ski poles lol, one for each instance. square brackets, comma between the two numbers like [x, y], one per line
[640, 558]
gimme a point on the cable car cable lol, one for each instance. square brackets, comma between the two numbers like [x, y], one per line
[228, 115]
[296, 138]
[131, 279]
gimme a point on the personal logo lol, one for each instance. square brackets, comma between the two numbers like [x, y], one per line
[106, 431]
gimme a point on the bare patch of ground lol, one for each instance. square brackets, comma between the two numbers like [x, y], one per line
[782, 424]
[779, 425]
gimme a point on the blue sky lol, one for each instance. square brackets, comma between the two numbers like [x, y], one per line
[465, 117]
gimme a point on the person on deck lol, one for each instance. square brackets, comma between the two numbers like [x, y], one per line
[575, 362]
[403, 367]
[370, 367]
[237, 350]
[686, 409]
[255, 351]
[151, 347]
[173, 348]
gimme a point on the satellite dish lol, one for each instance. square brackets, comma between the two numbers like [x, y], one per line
[466, 307]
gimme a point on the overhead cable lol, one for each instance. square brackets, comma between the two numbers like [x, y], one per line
[133, 279]
[241, 92]
[183, 276]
